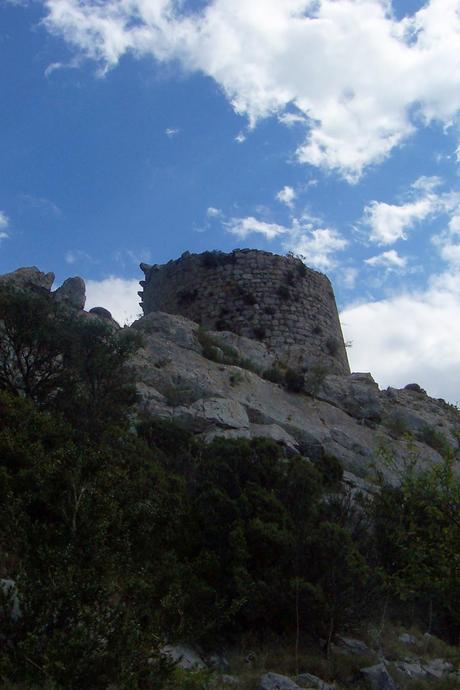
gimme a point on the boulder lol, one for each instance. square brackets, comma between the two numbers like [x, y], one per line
[102, 313]
[407, 639]
[72, 293]
[437, 668]
[275, 433]
[308, 680]
[177, 329]
[184, 656]
[411, 669]
[28, 278]
[352, 645]
[273, 681]
[220, 412]
[378, 677]
[357, 394]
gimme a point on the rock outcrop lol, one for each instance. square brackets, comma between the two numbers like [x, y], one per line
[72, 293]
[29, 278]
[347, 417]
[221, 384]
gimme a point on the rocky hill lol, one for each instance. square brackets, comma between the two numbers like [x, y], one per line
[232, 525]
[218, 383]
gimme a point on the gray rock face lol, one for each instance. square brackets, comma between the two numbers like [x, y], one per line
[72, 293]
[437, 668]
[29, 278]
[350, 418]
[185, 657]
[273, 681]
[308, 680]
[378, 677]
[352, 645]
[407, 638]
[101, 312]
[8, 587]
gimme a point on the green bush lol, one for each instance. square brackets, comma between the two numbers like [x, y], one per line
[435, 440]
[274, 374]
[294, 380]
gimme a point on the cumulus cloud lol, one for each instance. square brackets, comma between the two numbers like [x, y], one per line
[118, 295]
[390, 260]
[389, 223]
[172, 132]
[410, 337]
[286, 195]
[361, 80]
[316, 246]
[213, 212]
[242, 227]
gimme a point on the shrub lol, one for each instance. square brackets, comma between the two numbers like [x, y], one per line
[397, 425]
[330, 469]
[259, 332]
[434, 439]
[332, 345]
[294, 380]
[314, 379]
[274, 374]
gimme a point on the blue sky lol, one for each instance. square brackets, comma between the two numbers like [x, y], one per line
[135, 130]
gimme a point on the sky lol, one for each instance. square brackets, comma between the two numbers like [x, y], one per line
[135, 130]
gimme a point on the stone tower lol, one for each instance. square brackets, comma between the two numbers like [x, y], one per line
[257, 294]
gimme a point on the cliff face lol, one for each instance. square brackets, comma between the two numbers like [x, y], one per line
[345, 416]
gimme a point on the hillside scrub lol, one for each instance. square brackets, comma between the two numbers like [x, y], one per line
[121, 533]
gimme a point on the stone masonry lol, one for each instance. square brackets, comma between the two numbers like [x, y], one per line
[257, 294]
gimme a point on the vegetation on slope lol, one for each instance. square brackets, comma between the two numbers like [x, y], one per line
[122, 533]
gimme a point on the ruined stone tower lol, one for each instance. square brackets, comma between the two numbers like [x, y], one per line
[263, 296]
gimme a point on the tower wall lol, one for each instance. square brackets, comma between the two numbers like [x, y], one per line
[272, 298]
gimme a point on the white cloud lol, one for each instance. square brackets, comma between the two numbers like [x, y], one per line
[390, 260]
[389, 222]
[118, 295]
[410, 337]
[363, 80]
[286, 195]
[242, 227]
[316, 246]
[240, 137]
[213, 212]
[291, 119]
[4, 220]
[172, 132]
